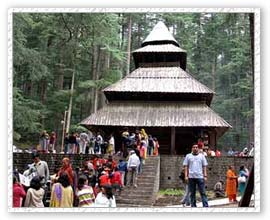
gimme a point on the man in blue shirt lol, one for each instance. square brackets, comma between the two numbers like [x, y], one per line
[195, 165]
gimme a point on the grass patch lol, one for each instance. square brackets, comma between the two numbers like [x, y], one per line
[181, 192]
[171, 192]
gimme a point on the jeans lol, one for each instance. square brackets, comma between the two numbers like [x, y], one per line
[123, 173]
[186, 197]
[149, 151]
[82, 147]
[132, 176]
[192, 182]
[66, 148]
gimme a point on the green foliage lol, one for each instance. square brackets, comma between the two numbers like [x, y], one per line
[87, 84]
[171, 192]
[78, 128]
[26, 115]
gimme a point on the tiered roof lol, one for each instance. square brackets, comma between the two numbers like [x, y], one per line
[157, 114]
[159, 92]
[159, 82]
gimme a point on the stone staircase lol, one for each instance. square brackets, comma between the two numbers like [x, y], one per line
[148, 185]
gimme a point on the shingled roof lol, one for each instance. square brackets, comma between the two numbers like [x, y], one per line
[160, 35]
[160, 48]
[161, 80]
[157, 114]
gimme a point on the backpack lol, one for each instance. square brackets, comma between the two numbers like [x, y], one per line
[150, 142]
[182, 176]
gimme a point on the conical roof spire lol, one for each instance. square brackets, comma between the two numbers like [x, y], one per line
[159, 35]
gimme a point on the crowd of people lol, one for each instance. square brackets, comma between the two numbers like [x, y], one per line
[93, 185]
[246, 152]
[96, 143]
[77, 143]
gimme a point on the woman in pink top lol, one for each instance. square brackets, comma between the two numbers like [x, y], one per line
[18, 193]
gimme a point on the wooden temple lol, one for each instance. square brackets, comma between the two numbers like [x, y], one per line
[161, 97]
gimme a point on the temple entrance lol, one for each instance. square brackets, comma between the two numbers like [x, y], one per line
[183, 142]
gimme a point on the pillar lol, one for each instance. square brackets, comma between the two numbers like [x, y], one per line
[172, 150]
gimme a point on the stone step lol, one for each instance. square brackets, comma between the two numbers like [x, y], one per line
[150, 163]
[147, 173]
[134, 196]
[140, 187]
[149, 169]
[134, 202]
[144, 184]
[130, 205]
[145, 176]
[132, 189]
[136, 191]
[150, 160]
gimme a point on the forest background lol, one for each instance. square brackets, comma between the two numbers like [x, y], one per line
[93, 50]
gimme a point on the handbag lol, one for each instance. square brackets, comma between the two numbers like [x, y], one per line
[242, 179]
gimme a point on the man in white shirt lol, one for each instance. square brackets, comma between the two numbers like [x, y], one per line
[40, 168]
[196, 174]
[83, 142]
[132, 166]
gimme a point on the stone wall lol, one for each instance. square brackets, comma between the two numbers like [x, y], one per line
[157, 179]
[170, 168]
[20, 160]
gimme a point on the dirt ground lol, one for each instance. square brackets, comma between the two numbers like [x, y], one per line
[167, 200]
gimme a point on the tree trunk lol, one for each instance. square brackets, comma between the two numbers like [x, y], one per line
[95, 53]
[43, 93]
[122, 32]
[60, 76]
[139, 40]
[129, 45]
[214, 67]
[70, 102]
[251, 96]
[251, 30]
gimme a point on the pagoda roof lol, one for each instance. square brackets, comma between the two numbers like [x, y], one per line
[160, 35]
[173, 80]
[159, 79]
[168, 48]
[157, 114]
